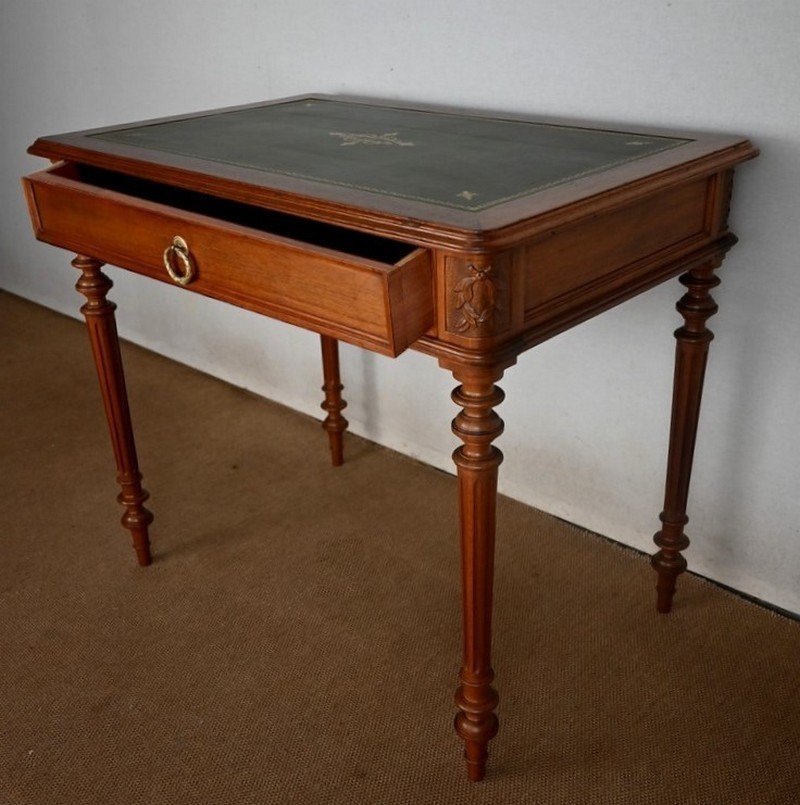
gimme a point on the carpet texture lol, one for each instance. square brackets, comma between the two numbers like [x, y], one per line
[297, 638]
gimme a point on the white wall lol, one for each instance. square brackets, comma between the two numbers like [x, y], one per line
[586, 413]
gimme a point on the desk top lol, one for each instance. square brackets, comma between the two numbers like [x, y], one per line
[462, 162]
[444, 168]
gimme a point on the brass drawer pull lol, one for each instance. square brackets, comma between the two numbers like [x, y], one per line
[180, 250]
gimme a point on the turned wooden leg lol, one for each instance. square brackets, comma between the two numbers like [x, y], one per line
[477, 425]
[691, 352]
[99, 314]
[334, 422]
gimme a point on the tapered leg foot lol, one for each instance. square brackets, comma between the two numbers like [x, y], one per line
[669, 564]
[691, 353]
[334, 423]
[99, 314]
[136, 518]
[477, 461]
[476, 724]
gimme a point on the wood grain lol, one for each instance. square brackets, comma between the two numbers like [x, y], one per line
[559, 268]
[691, 354]
[477, 460]
[99, 314]
[382, 306]
[334, 423]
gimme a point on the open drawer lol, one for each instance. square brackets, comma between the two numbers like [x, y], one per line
[370, 291]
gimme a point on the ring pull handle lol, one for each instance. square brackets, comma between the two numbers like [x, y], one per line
[178, 252]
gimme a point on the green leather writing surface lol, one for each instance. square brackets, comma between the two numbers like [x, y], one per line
[458, 161]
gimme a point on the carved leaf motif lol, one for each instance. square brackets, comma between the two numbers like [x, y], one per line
[476, 298]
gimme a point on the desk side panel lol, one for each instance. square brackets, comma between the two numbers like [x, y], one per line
[493, 305]
[592, 264]
[595, 254]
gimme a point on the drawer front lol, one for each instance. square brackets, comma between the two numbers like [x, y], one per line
[383, 307]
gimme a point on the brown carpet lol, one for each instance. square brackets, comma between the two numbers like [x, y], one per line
[297, 638]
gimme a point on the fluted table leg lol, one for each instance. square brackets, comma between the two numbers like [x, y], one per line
[334, 423]
[691, 352]
[477, 425]
[99, 314]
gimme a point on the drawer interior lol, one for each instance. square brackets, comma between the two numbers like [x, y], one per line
[341, 239]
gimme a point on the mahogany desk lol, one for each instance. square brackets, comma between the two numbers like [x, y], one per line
[468, 237]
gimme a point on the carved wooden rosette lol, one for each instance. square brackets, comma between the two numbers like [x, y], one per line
[99, 314]
[477, 425]
[334, 423]
[691, 353]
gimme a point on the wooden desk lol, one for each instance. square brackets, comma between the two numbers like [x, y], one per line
[468, 237]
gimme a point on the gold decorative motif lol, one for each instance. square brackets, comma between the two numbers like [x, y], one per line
[352, 138]
[467, 194]
[476, 298]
